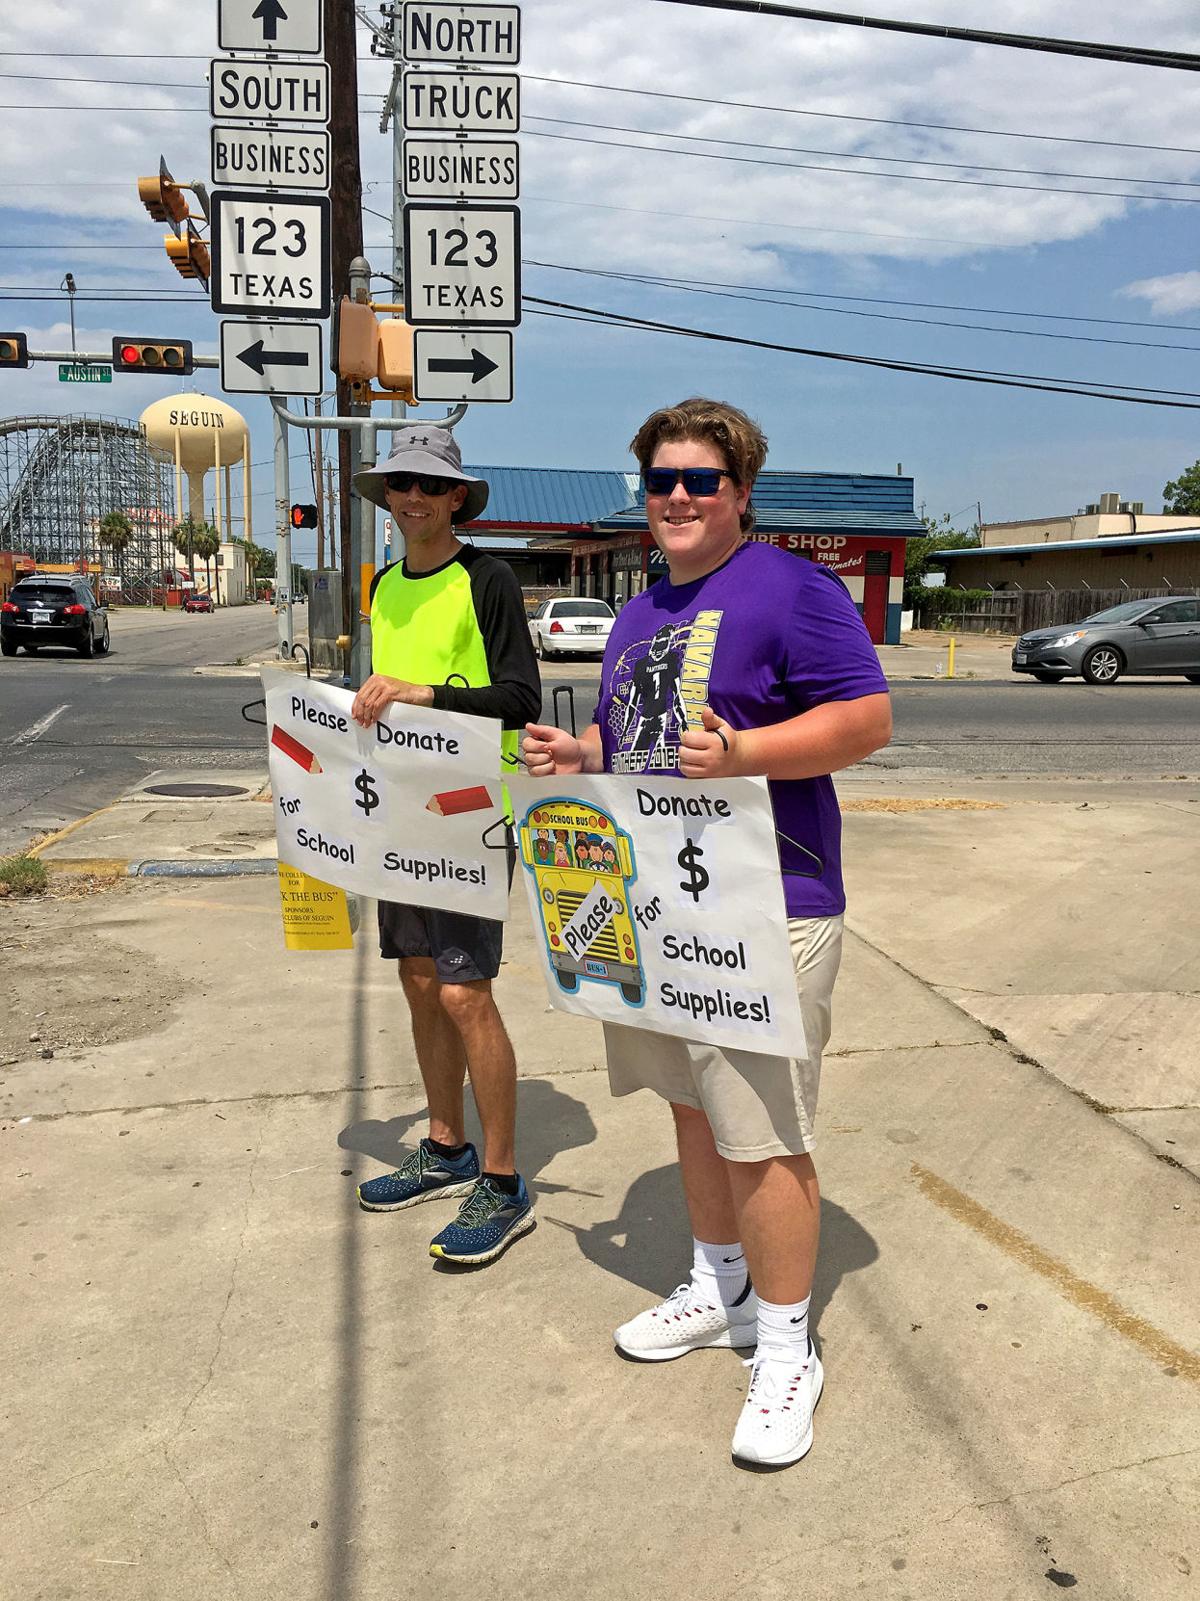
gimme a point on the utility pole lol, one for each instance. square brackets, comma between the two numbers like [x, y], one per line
[318, 488]
[347, 244]
[393, 23]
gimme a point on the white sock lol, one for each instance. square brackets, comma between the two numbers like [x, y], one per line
[784, 1328]
[719, 1272]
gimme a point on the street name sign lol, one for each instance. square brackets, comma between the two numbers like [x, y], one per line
[462, 265]
[290, 26]
[461, 102]
[461, 169]
[449, 364]
[275, 158]
[270, 254]
[442, 30]
[269, 91]
[78, 372]
[271, 358]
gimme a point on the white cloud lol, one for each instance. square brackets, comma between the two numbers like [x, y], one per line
[1168, 296]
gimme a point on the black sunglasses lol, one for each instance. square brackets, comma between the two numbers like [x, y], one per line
[701, 481]
[427, 485]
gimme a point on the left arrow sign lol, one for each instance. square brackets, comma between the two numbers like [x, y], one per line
[257, 359]
[270, 358]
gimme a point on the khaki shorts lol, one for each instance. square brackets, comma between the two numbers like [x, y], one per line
[757, 1106]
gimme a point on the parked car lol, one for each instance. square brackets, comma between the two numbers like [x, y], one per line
[44, 610]
[195, 601]
[1152, 637]
[573, 626]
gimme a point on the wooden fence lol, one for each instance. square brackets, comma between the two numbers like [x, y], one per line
[1018, 611]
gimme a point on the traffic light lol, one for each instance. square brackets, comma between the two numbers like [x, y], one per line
[304, 516]
[189, 255]
[14, 350]
[163, 199]
[173, 356]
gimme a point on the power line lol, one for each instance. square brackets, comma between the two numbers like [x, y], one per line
[854, 155]
[1134, 394]
[891, 177]
[762, 296]
[744, 144]
[100, 291]
[846, 116]
[1127, 55]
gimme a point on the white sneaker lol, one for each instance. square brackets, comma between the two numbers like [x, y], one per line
[776, 1425]
[688, 1321]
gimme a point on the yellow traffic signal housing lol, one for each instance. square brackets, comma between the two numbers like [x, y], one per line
[356, 356]
[396, 356]
[189, 255]
[163, 199]
[14, 350]
[172, 356]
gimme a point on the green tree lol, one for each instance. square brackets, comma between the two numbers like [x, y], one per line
[194, 539]
[1181, 497]
[918, 554]
[115, 532]
[206, 545]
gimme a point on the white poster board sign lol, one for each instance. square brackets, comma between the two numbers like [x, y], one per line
[658, 904]
[409, 810]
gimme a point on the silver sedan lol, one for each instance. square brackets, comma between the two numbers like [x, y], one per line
[1158, 638]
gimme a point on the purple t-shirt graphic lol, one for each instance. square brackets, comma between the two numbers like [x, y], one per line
[763, 638]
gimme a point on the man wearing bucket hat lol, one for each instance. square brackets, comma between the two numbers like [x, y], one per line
[448, 629]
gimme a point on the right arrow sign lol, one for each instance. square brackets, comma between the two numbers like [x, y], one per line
[468, 364]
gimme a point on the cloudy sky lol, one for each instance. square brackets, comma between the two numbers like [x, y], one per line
[987, 209]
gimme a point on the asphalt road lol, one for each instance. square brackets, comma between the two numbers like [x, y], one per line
[76, 734]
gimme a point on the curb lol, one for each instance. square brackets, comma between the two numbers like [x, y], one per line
[258, 866]
[62, 833]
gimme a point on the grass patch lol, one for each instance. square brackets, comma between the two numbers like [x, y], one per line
[22, 875]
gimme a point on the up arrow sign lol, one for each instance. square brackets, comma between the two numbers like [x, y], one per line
[270, 13]
[294, 27]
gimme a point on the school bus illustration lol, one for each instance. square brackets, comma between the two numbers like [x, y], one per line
[583, 866]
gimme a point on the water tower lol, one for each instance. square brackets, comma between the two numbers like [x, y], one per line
[203, 435]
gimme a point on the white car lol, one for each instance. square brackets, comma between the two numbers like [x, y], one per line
[573, 626]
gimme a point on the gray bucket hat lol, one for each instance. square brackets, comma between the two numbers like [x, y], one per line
[431, 452]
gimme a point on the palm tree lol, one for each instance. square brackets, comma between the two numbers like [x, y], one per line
[185, 534]
[206, 543]
[115, 531]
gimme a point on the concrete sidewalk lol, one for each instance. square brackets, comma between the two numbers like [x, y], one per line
[224, 1380]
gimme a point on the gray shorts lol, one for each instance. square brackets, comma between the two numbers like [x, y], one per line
[463, 948]
[757, 1106]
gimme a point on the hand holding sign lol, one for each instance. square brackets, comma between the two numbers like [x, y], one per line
[710, 751]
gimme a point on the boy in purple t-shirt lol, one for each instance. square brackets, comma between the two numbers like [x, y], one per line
[745, 661]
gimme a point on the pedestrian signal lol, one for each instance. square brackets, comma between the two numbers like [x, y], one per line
[304, 516]
[14, 350]
[153, 355]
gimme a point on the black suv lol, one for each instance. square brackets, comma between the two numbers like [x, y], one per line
[45, 610]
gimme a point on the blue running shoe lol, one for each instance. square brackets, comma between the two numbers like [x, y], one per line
[487, 1222]
[420, 1177]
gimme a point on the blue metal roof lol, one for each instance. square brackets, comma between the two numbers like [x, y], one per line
[555, 497]
[1111, 542]
[825, 502]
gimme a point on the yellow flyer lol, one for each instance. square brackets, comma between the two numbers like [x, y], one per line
[316, 916]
